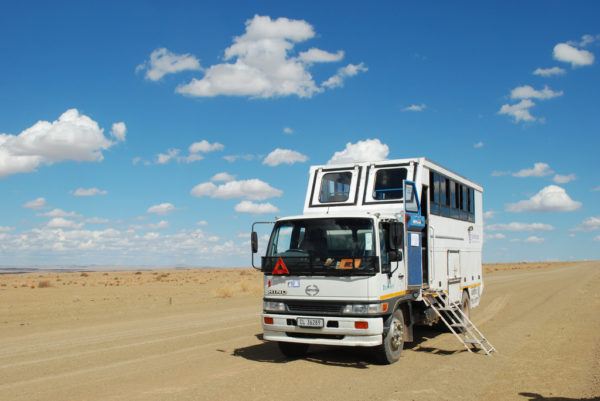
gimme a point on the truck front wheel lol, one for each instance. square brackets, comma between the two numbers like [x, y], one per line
[293, 350]
[393, 342]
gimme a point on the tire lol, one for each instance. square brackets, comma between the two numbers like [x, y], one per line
[465, 306]
[390, 349]
[293, 350]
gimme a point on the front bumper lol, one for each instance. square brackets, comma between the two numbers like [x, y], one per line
[344, 334]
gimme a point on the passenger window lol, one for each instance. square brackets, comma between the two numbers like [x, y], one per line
[335, 187]
[463, 203]
[454, 199]
[388, 183]
[471, 205]
[435, 193]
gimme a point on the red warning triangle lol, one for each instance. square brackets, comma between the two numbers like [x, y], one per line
[280, 268]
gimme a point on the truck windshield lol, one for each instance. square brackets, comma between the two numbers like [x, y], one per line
[323, 246]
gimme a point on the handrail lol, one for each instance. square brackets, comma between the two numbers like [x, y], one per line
[432, 257]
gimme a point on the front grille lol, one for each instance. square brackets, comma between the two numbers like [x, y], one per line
[315, 307]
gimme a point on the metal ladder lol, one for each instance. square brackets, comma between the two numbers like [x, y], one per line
[459, 324]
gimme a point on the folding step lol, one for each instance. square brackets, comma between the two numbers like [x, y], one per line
[454, 318]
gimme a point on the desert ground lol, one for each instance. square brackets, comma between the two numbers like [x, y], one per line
[195, 335]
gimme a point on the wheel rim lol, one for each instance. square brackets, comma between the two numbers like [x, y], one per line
[396, 335]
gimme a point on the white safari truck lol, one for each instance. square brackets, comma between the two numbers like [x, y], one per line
[381, 247]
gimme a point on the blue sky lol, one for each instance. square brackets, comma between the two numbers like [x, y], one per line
[454, 83]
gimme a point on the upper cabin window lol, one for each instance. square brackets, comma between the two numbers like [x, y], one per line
[388, 183]
[448, 198]
[335, 187]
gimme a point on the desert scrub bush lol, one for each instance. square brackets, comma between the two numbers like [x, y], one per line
[162, 276]
[84, 274]
[224, 292]
[44, 284]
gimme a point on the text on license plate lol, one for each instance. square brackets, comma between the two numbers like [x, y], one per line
[309, 322]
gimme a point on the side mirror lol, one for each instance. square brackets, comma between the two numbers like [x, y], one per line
[395, 236]
[254, 241]
[395, 256]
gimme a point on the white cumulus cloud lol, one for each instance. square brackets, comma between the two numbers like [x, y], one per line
[314, 55]
[255, 208]
[161, 208]
[564, 179]
[569, 54]
[528, 92]
[59, 213]
[288, 130]
[253, 189]
[60, 222]
[119, 131]
[549, 199]
[159, 226]
[533, 240]
[519, 111]
[195, 150]
[489, 214]
[518, 227]
[549, 72]
[35, 204]
[361, 151]
[284, 156]
[495, 236]
[205, 147]
[89, 192]
[478, 145]
[337, 80]
[260, 63]
[73, 136]
[163, 62]
[222, 177]
[589, 224]
[415, 107]
[538, 170]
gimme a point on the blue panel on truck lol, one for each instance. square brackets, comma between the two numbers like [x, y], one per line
[415, 274]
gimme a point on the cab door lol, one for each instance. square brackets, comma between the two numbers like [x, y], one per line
[415, 223]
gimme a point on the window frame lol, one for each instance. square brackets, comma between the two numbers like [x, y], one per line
[354, 186]
[371, 177]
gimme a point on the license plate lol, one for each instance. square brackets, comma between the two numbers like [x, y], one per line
[309, 322]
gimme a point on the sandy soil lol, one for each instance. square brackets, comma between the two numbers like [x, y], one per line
[194, 335]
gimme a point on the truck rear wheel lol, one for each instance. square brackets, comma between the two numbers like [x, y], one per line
[465, 304]
[293, 350]
[393, 342]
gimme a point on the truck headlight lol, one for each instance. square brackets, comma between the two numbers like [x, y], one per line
[273, 306]
[365, 309]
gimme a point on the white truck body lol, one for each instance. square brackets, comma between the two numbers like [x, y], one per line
[440, 250]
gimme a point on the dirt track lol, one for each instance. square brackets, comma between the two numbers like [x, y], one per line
[187, 339]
